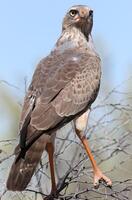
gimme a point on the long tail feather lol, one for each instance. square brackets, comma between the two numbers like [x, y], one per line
[22, 171]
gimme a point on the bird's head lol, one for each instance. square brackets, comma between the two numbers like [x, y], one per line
[81, 17]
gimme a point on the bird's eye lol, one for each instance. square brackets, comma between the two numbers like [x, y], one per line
[73, 13]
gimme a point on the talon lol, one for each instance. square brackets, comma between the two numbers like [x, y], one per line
[96, 185]
[49, 197]
[52, 195]
[99, 177]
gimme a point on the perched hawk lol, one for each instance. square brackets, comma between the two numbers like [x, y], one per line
[63, 87]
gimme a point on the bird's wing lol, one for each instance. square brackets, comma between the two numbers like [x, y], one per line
[62, 85]
[81, 91]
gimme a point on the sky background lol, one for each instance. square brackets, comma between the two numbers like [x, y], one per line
[29, 30]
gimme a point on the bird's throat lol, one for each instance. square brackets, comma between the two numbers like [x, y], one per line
[73, 37]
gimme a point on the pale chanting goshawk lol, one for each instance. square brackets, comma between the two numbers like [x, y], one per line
[63, 87]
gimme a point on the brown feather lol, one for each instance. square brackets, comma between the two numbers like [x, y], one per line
[21, 172]
[64, 86]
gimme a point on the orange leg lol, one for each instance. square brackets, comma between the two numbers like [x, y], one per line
[80, 126]
[50, 151]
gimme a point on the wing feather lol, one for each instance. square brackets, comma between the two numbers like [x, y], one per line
[62, 86]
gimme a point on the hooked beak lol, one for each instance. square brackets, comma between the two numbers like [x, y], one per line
[83, 16]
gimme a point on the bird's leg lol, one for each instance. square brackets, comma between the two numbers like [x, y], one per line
[80, 126]
[50, 151]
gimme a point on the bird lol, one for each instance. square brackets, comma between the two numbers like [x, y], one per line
[63, 88]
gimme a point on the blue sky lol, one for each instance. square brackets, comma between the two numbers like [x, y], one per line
[29, 29]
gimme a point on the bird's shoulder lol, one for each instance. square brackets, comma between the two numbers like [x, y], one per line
[59, 67]
[52, 75]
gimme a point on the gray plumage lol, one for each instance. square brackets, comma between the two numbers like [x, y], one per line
[64, 86]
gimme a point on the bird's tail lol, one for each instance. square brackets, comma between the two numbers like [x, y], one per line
[22, 171]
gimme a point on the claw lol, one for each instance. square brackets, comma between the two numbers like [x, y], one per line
[51, 197]
[99, 177]
[60, 186]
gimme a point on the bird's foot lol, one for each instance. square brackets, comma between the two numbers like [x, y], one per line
[52, 196]
[60, 186]
[100, 177]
